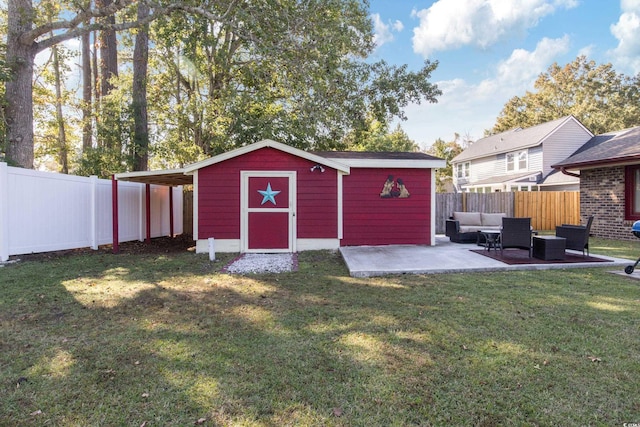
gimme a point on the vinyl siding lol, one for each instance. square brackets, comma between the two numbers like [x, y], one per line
[487, 167]
[562, 144]
[535, 158]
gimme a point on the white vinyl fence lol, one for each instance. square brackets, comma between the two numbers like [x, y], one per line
[43, 211]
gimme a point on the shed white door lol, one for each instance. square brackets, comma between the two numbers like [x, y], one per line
[268, 211]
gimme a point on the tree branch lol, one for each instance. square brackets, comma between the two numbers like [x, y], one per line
[76, 28]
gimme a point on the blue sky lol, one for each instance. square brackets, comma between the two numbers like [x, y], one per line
[491, 50]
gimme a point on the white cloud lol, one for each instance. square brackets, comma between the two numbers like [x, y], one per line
[511, 77]
[450, 24]
[383, 32]
[587, 51]
[469, 108]
[627, 31]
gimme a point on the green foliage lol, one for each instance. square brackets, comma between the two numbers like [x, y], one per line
[600, 98]
[301, 79]
[5, 75]
[376, 137]
[46, 138]
[223, 74]
[447, 151]
[114, 129]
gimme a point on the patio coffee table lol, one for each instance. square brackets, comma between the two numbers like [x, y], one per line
[549, 247]
[491, 239]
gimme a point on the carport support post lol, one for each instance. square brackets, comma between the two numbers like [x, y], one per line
[148, 211]
[114, 213]
[171, 212]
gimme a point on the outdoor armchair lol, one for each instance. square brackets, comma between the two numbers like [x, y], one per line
[516, 233]
[577, 235]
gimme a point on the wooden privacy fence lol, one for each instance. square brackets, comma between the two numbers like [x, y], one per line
[545, 208]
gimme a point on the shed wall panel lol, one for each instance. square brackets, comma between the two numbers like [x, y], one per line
[372, 220]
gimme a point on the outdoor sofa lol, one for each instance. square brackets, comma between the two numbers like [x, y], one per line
[463, 227]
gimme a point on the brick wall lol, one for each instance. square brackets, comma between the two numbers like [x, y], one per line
[602, 195]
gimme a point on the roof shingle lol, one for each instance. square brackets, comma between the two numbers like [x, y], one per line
[609, 148]
[511, 140]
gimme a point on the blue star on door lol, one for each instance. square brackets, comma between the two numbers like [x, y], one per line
[269, 195]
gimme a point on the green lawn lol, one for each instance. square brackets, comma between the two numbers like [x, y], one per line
[165, 339]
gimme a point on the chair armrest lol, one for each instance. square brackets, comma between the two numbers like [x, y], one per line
[452, 227]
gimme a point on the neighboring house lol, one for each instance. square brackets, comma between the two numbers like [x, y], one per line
[609, 169]
[521, 159]
[270, 197]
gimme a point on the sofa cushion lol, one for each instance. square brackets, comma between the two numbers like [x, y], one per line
[476, 228]
[468, 218]
[492, 219]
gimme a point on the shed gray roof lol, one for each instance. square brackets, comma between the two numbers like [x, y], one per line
[375, 155]
[613, 148]
[512, 140]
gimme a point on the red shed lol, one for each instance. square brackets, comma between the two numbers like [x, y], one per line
[270, 197]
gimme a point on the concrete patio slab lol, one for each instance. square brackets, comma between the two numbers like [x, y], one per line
[444, 257]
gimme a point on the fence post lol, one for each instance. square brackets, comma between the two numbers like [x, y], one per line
[93, 182]
[4, 212]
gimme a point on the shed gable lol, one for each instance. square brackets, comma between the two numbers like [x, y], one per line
[219, 194]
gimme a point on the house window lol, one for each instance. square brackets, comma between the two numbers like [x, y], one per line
[510, 162]
[517, 160]
[522, 160]
[462, 170]
[632, 190]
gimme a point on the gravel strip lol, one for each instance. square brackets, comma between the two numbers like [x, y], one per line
[262, 263]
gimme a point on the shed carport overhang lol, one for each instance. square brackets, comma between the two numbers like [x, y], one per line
[167, 178]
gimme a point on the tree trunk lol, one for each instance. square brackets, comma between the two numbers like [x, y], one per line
[19, 95]
[140, 64]
[108, 66]
[94, 68]
[108, 52]
[62, 137]
[86, 92]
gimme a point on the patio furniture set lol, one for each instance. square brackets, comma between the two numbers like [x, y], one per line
[497, 231]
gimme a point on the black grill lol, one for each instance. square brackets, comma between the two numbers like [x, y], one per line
[635, 229]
